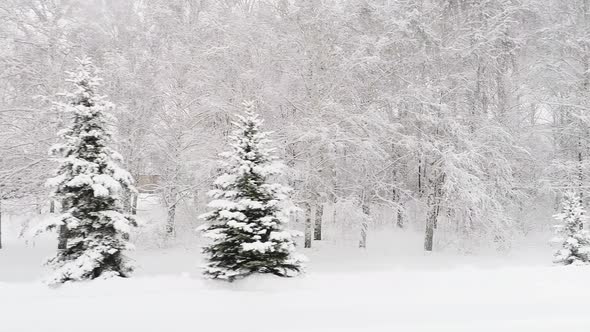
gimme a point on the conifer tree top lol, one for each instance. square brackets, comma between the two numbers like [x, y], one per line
[85, 142]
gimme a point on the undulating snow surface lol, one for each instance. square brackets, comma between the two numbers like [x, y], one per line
[343, 290]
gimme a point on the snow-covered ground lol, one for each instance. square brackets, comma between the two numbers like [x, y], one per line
[343, 290]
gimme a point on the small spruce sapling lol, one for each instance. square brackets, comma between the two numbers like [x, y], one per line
[571, 235]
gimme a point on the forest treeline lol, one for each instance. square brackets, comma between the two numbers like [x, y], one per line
[453, 116]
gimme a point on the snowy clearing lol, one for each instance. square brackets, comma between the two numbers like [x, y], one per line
[342, 291]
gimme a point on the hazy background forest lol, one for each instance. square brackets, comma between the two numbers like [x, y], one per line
[456, 122]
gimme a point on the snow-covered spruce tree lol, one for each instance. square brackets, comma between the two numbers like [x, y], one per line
[574, 239]
[89, 184]
[248, 213]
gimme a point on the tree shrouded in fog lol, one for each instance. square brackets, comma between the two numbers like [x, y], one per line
[89, 184]
[248, 215]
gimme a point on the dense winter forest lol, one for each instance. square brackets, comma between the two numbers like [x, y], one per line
[452, 126]
[465, 118]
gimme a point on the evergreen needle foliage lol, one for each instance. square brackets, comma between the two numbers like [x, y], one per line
[248, 213]
[574, 239]
[89, 184]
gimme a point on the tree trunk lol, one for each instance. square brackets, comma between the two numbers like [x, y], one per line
[434, 204]
[308, 226]
[171, 217]
[0, 224]
[437, 212]
[62, 239]
[134, 198]
[127, 196]
[317, 230]
[429, 233]
[585, 87]
[420, 177]
[170, 220]
[400, 215]
[581, 175]
[364, 225]
[586, 56]
[399, 222]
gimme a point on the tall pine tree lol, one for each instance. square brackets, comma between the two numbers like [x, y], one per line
[89, 184]
[248, 213]
[574, 239]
